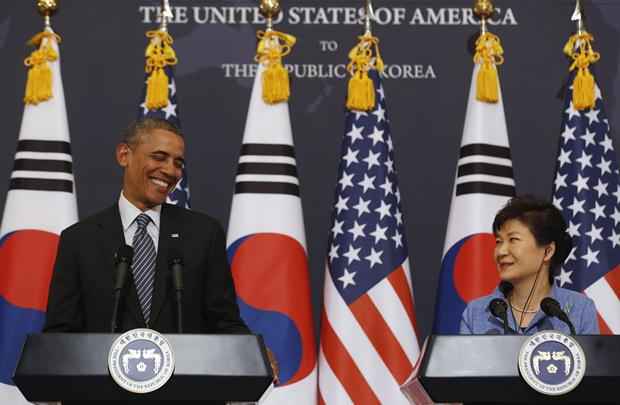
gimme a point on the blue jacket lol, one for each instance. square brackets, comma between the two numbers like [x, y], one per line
[477, 319]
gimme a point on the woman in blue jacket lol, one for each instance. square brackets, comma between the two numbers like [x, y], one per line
[531, 246]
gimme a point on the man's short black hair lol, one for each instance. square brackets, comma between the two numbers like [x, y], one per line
[132, 134]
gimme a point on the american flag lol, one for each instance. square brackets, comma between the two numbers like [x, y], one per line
[587, 190]
[368, 330]
[180, 195]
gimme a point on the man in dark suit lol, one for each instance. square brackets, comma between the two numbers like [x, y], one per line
[81, 292]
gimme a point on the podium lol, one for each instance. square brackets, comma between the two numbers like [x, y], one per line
[483, 369]
[62, 366]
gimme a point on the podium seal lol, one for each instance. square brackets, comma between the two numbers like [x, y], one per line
[552, 363]
[141, 361]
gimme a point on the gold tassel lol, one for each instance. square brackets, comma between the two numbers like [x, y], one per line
[489, 54]
[579, 48]
[361, 94]
[272, 47]
[159, 55]
[39, 83]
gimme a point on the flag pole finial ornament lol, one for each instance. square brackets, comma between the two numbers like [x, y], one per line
[159, 55]
[47, 8]
[272, 47]
[361, 95]
[579, 49]
[166, 15]
[489, 54]
[39, 82]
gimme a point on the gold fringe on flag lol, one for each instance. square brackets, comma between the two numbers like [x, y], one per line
[579, 49]
[159, 55]
[272, 47]
[489, 54]
[39, 83]
[361, 94]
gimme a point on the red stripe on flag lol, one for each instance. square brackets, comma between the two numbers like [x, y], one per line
[613, 279]
[343, 367]
[382, 338]
[602, 325]
[321, 400]
[399, 282]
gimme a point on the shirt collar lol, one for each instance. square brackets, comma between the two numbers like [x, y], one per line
[130, 212]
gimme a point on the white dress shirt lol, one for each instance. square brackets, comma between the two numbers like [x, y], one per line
[130, 212]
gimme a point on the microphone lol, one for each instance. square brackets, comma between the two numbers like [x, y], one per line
[124, 257]
[176, 267]
[552, 308]
[499, 309]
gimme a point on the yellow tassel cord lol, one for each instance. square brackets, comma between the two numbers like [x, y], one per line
[579, 48]
[39, 83]
[272, 47]
[489, 54]
[361, 95]
[159, 55]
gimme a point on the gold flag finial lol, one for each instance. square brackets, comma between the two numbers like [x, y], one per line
[46, 8]
[160, 55]
[489, 54]
[364, 57]
[270, 9]
[272, 47]
[579, 49]
[484, 9]
[39, 84]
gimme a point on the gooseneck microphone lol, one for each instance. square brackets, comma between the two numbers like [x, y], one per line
[499, 309]
[123, 257]
[176, 267]
[553, 309]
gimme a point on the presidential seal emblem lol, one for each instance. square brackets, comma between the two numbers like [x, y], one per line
[552, 363]
[141, 361]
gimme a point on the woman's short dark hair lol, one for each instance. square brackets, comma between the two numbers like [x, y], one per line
[545, 222]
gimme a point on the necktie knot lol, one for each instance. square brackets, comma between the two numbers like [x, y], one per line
[142, 221]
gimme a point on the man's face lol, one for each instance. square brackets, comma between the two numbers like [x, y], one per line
[153, 167]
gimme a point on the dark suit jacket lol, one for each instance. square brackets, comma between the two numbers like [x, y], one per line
[81, 291]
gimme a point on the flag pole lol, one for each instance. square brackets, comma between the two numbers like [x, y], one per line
[579, 49]
[369, 17]
[484, 9]
[47, 8]
[578, 17]
[166, 15]
[489, 54]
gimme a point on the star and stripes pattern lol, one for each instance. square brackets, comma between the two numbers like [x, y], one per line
[368, 329]
[180, 195]
[587, 191]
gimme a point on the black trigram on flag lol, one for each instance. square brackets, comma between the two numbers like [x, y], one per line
[267, 169]
[485, 169]
[42, 166]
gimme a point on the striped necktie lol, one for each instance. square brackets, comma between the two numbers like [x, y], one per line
[143, 265]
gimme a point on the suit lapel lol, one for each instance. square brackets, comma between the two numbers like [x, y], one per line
[112, 236]
[161, 288]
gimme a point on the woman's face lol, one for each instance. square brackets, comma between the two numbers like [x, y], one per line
[517, 254]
